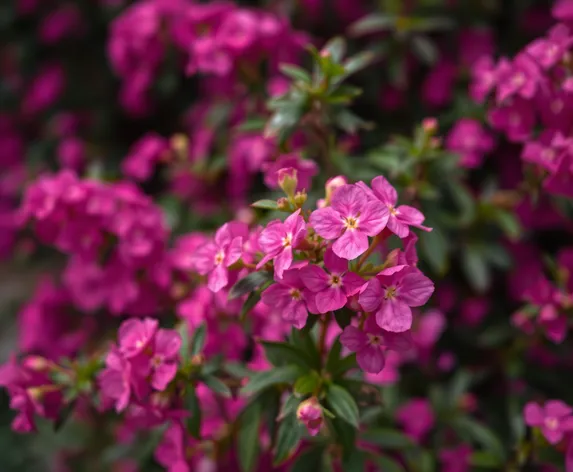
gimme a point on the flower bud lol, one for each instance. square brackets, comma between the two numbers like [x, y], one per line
[288, 181]
[430, 126]
[309, 413]
[36, 363]
[300, 199]
[283, 204]
[332, 185]
[180, 146]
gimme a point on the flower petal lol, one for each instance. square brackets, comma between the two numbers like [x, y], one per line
[167, 343]
[348, 200]
[416, 288]
[314, 278]
[353, 338]
[327, 223]
[533, 414]
[351, 245]
[372, 296]
[234, 251]
[283, 261]
[395, 316]
[333, 263]
[384, 191]
[330, 299]
[371, 359]
[373, 218]
[218, 279]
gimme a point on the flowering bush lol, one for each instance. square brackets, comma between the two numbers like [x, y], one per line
[287, 236]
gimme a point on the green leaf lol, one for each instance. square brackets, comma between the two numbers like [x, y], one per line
[217, 386]
[485, 460]
[334, 356]
[350, 122]
[289, 436]
[476, 269]
[191, 404]
[343, 317]
[64, 414]
[280, 354]
[266, 205]
[295, 72]
[262, 380]
[198, 339]
[344, 365]
[509, 224]
[345, 436]
[283, 121]
[459, 385]
[253, 124]
[386, 464]
[388, 438]
[425, 49]
[302, 339]
[355, 461]
[372, 24]
[237, 370]
[184, 350]
[435, 250]
[337, 48]
[470, 429]
[289, 406]
[307, 383]
[250, 303]
[309, 461]
[248, 436]
[343, 405]
[358, 62]
[419, 460]
[249, 283]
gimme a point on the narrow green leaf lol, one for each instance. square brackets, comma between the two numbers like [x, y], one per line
[459, 385]
[266, 205]
[237, 370]
[295, 72]
[250, 303]
[337, 48]
[249, 283]
[262, 380]
[358, 62]
[289, 406]
[253, 124]
[184, 350]
[191, 404]
[198, 339]
[248, 436]
[387, 464]
[345, 436]
[343, 405]
[65, 414]
[486, 460]
[333, 358]
[280, 354]
[425, 49]
[289, 436]
[308, 383]
[435, 250]
[470, 429]
[309, 461]
[387, 438]
[476, 269]
[302, 339]
[218, 386]
[355, 461]
[372, 24]
[344, 365]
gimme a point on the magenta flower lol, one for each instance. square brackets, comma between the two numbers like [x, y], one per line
[553, 419]
[548, 51]
[333, 288]
[542, 151]
[392, 293]
[305, 171]
[484, 79]
[516, 119]
[399, 218]
[369, 344]
[115, 381]
[135, 336]
[456, 459]
[309, 413]
[143, 156]
[471, 141]
[166, 347]
[278, 240]
[215, 257]
[416, 417]
[522, 77]
[349, 220]
[291, 298]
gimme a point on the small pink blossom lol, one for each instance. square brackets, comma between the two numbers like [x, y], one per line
[392, 293]
[278, 241]
[135, 336]
[305, 169]
[554, 419]
[331, 289]
[166, 347]
[399, 218]
[471, 141]
[416, 417]
[370, 344]
[349, 220]
[309, 413]
[215, 257]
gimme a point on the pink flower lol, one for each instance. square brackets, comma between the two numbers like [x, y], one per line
[399, 218]
[468, 138]
[484, 79]
[516, 119]
[563, 10]
[456, 459]
[541, 151]
[475, 44]
[135, 336]
[369, 344]
[309, 413]
[215, 257]
[554, 419]
[391, 294]
[72, 153]
[305, 171]
[547, 52]
[115, 381]
[291, 298]
[331, 289]
[439, 84]
[278, 240]
[521, 77]
[143, 156]
[349, 220]
[416, 417]
[170, 452]
[166, 347]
